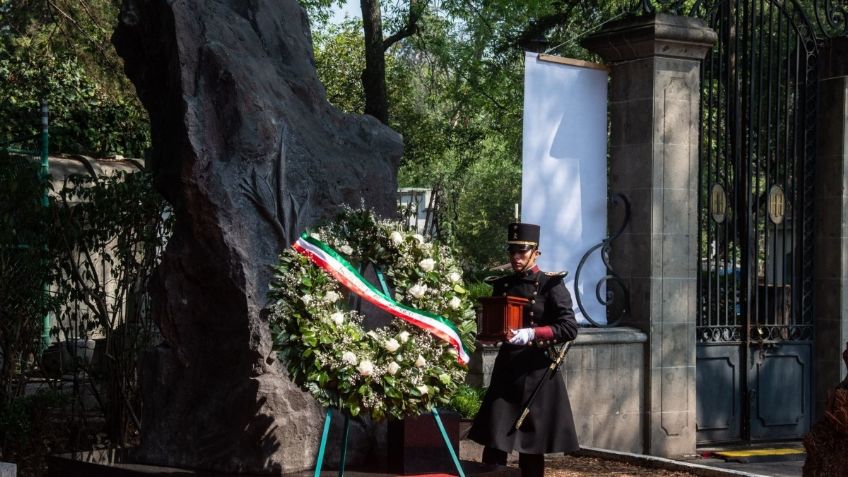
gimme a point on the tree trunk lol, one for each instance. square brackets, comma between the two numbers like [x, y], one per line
[374, 75]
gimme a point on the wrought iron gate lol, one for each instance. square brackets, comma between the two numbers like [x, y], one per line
[758, 130]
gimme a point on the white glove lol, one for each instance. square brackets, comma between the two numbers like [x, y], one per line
[523, 336]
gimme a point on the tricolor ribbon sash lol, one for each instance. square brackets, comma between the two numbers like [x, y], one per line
[327, 259]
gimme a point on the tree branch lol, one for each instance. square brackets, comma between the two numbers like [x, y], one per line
[538, 27]
[88, 296]
[409, 29]
[94, 19]
[79, 27]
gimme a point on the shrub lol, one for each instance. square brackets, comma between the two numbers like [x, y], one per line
[26, 427]
[478, 289]
[467, 400]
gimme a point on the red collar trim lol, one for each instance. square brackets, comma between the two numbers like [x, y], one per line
[529, 272]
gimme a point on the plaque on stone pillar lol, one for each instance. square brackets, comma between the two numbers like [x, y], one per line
[500, 314]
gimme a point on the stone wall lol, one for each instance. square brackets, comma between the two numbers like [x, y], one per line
[605, 376]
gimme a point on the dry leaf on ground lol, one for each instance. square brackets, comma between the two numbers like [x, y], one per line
[574, 466]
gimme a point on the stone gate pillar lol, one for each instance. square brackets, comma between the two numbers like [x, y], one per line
[831, 226]
[654, 97]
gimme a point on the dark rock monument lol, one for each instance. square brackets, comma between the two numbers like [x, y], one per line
[827, 442]
[249, 152]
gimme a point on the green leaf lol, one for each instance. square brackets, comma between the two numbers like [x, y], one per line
[393, 392]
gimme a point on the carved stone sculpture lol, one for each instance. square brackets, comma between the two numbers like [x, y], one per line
[249, 152]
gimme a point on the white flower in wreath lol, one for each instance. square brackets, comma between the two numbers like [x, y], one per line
[338, 318]
[346, 249]
[393, 368]
[392, 345]
[455, 303]
[331, 297]
[349, 358]
[418, 238]
[396, 237]
[365, 368]
[403, 336]
[418, 291]
[420, 362]
[306, 299]
[427, 264]
[454, 277]
[423, 389]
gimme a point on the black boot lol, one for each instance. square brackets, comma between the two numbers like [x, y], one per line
[494, 456]
[532, 465]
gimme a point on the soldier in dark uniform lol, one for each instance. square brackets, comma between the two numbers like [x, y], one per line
[521, 363]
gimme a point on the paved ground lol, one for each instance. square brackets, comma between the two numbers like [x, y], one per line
[575, 466]
[598, 462]
[590, 462]
[787, 468]
[772, 469]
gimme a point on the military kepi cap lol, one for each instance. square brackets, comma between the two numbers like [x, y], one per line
[522, 236]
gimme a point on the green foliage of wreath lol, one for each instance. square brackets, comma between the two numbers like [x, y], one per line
[396, 370]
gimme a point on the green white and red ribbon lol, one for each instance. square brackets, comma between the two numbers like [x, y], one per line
[327, 259]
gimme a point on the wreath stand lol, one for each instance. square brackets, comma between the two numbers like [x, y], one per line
[326, 431]
[328, 416]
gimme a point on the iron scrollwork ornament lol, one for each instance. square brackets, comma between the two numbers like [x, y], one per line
[611, 276]
[832, 17]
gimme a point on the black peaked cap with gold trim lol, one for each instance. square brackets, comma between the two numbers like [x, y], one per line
[522, 236]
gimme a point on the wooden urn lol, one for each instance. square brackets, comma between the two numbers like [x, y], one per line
[500, 314]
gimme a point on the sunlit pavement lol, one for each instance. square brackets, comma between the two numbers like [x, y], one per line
[650, 465]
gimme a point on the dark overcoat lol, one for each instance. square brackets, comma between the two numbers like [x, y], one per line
[518, 369]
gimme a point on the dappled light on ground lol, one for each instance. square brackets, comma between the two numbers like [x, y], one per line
[572, 466]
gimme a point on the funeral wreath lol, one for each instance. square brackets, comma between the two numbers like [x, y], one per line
[411, 365]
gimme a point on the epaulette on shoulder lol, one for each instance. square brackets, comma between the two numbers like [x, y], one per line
[552, 279]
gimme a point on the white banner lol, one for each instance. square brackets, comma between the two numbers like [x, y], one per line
[564, 179]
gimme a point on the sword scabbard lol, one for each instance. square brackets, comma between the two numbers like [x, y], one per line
[520, 420]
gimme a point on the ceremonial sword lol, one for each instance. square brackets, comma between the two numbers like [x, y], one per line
[548, 374]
